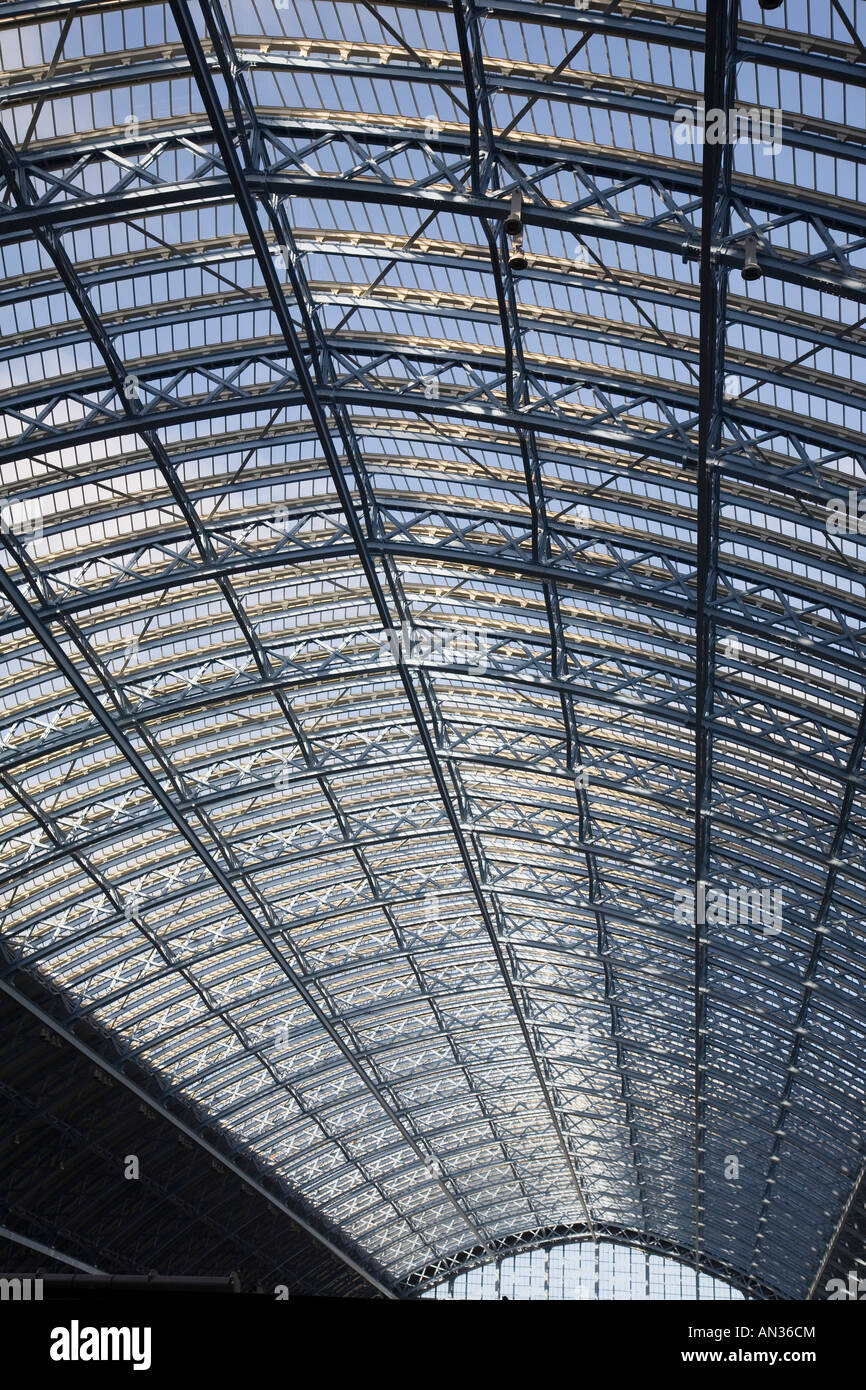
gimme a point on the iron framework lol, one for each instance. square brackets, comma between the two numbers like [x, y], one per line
[394, 634]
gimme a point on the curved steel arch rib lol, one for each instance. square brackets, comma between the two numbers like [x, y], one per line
[365, 600]
[524, 1242]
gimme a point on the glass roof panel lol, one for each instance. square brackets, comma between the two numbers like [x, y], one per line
[410, 622]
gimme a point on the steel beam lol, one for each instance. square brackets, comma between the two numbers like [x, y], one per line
[50, 1251]
[719, 94]
[238, 177]
[110, 1069]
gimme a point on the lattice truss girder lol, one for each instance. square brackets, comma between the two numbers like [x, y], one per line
[470, 873]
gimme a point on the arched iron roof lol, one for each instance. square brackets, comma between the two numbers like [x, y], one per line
[399, 620]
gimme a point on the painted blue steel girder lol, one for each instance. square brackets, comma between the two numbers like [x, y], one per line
[409, 925]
